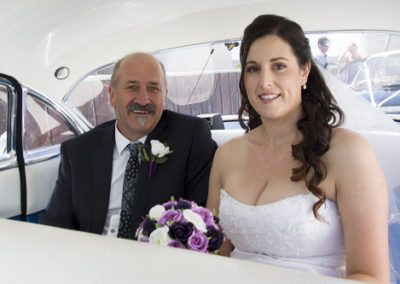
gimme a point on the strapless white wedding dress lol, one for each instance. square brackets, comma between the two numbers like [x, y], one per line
[286, 233]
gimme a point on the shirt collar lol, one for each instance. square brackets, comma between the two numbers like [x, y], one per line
[121, 141]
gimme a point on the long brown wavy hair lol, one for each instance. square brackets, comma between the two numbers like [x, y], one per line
[320, 112]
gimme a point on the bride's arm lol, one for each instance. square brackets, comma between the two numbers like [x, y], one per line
[362, 200]
[214, 184]
[214, 189]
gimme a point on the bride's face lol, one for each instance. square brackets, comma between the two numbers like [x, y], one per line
[273, 78]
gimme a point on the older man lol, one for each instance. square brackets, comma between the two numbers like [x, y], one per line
[109, 177]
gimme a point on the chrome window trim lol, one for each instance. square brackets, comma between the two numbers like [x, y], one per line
[9, 158]
[41, 154]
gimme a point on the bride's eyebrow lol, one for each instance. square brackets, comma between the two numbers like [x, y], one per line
[271, 60]
[250, 62]
[279, 58]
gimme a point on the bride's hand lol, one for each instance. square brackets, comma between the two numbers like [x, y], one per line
[226, 248]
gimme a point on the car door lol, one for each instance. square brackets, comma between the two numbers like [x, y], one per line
[32, 129]
[10, 185]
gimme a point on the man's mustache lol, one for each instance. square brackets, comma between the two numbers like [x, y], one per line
[149, 108]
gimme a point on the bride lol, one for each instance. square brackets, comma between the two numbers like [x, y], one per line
[297, 190]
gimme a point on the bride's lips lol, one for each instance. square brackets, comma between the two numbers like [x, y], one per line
[268, 97]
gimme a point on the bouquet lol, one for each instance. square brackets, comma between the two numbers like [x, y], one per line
[181, 224]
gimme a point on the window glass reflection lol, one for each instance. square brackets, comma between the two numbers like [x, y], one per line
[91, 99]
[43, 126]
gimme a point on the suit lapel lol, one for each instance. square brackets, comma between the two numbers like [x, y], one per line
[102, 169]
[145, 183]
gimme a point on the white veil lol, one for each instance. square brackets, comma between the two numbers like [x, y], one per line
[384, 136]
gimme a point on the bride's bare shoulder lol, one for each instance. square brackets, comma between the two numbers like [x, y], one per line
[347, 146]
[344, 139]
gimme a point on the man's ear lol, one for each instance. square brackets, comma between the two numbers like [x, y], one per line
[111, 95]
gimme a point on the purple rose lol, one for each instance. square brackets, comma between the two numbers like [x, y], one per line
[168, 205]
[205, 214]
[170, 216]
[184, 204]
[181, 231]
[198, 242]
[215, 238]
[148, 226]
[176, 244]
[143, 239]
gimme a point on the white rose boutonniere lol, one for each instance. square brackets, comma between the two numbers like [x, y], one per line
[159, 150]
[158, 154]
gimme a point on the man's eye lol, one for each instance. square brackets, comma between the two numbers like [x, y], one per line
[153, 89]
[133, 87]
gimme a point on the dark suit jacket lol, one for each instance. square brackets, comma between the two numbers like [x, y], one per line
[81, 195]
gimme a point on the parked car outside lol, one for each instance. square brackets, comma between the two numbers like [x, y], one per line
[378, 81]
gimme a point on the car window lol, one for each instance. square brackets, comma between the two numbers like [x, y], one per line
[3, 119]
[203, 79]
[90, 97]
[200, 79]
[43, 125]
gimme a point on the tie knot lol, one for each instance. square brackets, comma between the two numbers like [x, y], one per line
[133, 147]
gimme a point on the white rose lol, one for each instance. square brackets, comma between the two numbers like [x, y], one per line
[156, 212]
[158, 149]
[196, 219]
[160, 236]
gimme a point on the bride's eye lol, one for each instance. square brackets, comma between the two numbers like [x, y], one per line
[251, 69]
[278, 66]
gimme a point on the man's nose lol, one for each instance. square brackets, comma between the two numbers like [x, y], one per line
[143, 96]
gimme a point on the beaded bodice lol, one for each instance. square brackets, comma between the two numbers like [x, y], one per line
[286, 233]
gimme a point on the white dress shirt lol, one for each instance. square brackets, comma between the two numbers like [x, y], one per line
[120, 159]
[322, 59]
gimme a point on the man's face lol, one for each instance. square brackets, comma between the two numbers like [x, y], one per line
[138, 96]
[323, 48]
